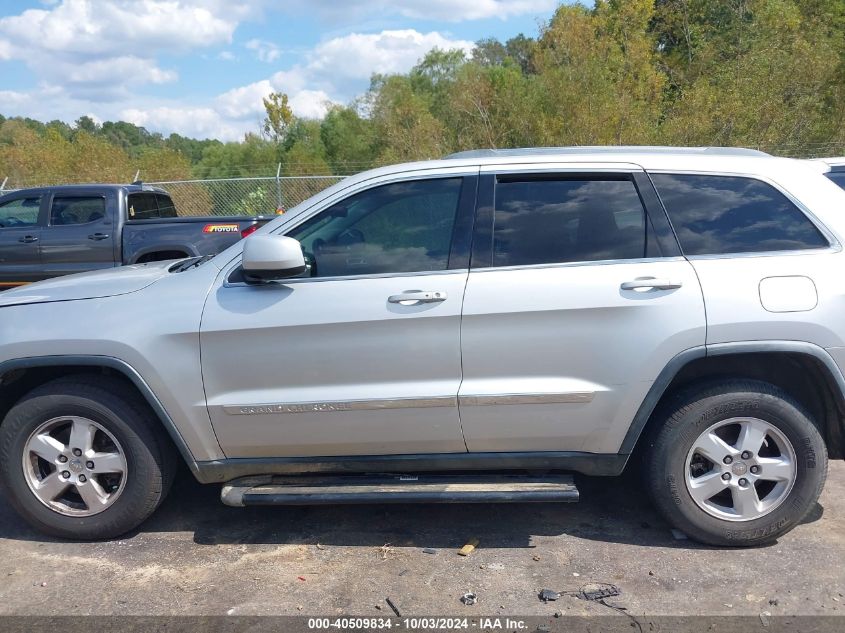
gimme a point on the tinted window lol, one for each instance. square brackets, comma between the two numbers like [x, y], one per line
[77, 210]
[402, 227]
[142, 206]
[838, 177]
[166, 209]
[19, 212]
[729, 214]
[548, 221]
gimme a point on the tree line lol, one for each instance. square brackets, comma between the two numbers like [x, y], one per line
[768, 74]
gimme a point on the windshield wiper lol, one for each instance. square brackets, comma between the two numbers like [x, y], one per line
[191, 262]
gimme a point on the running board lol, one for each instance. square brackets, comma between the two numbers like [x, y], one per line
[349, 489]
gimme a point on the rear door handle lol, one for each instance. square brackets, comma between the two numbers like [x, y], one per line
[28, 239]
[412, 297]
[651, 282]
[98, 236]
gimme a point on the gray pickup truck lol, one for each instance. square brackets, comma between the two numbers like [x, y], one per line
[53, 231]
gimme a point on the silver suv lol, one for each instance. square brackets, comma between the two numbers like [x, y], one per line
[462, 330]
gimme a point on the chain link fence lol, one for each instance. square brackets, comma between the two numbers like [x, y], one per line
[263, 195]
[235, 196]
[243, 196]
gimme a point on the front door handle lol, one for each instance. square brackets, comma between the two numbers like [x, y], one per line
[413, 297]
[643, 283]
[98, 236]
[28, 239]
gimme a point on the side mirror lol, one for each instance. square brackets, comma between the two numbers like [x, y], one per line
[268, 257]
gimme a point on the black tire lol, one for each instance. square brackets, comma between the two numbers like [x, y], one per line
[150, 457]
[691, 413]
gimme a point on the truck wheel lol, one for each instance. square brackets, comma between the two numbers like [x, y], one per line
[737, 463]
[82, 458]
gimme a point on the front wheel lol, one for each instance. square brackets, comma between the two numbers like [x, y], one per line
[738, 463]
[82, 458]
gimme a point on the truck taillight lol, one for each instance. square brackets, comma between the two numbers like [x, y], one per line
[249, 230]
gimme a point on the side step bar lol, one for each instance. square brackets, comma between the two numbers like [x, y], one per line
[349, 489]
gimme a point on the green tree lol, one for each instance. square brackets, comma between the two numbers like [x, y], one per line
[279, 116]
[349, 140]
[760, 73]
[163, 163]
[406, 129]
[489, 52]
[86, 124]
[598, 76]
[304, 151]
[520, 50]
[252, 156]
[489, 106]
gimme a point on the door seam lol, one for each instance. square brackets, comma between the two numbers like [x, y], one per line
[461, 314]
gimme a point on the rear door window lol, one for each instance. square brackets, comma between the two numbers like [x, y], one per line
[715, 215]
[569, 219]
[70, 210]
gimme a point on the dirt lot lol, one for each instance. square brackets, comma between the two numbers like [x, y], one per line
[196, 556]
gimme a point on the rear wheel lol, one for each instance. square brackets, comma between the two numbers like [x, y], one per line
[738, 463]
[83, 458]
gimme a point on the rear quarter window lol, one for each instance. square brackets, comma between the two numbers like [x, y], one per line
[166, 208]
[142, 206]
[838, 177]
[715, 215]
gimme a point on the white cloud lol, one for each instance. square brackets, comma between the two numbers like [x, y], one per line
[336, 70]
[97, 48]
[461, 10]
[188, 121]
[342, 66]
[14, 99]
[311, 104]
[86, 27]
[443, 10]
[358, 55]
[264, 51]
[245, 101]
[104, 71]
[97, 55]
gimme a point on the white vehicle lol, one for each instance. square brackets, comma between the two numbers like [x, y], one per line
[833, 168]
[517, 314]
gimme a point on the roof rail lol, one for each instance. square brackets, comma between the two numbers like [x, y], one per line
[605, 149]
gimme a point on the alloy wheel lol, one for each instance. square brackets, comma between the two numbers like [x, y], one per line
[74, 466]
[740, 469]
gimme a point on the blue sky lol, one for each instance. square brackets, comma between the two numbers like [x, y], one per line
[201, 67]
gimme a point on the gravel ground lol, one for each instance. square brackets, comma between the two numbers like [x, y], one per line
[198, 557]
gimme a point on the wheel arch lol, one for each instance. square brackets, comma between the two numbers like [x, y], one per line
[19, 376]
[804, 370]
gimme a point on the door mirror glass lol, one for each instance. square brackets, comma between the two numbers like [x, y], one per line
[268, 257]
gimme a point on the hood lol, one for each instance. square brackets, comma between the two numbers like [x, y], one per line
[93, 285]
